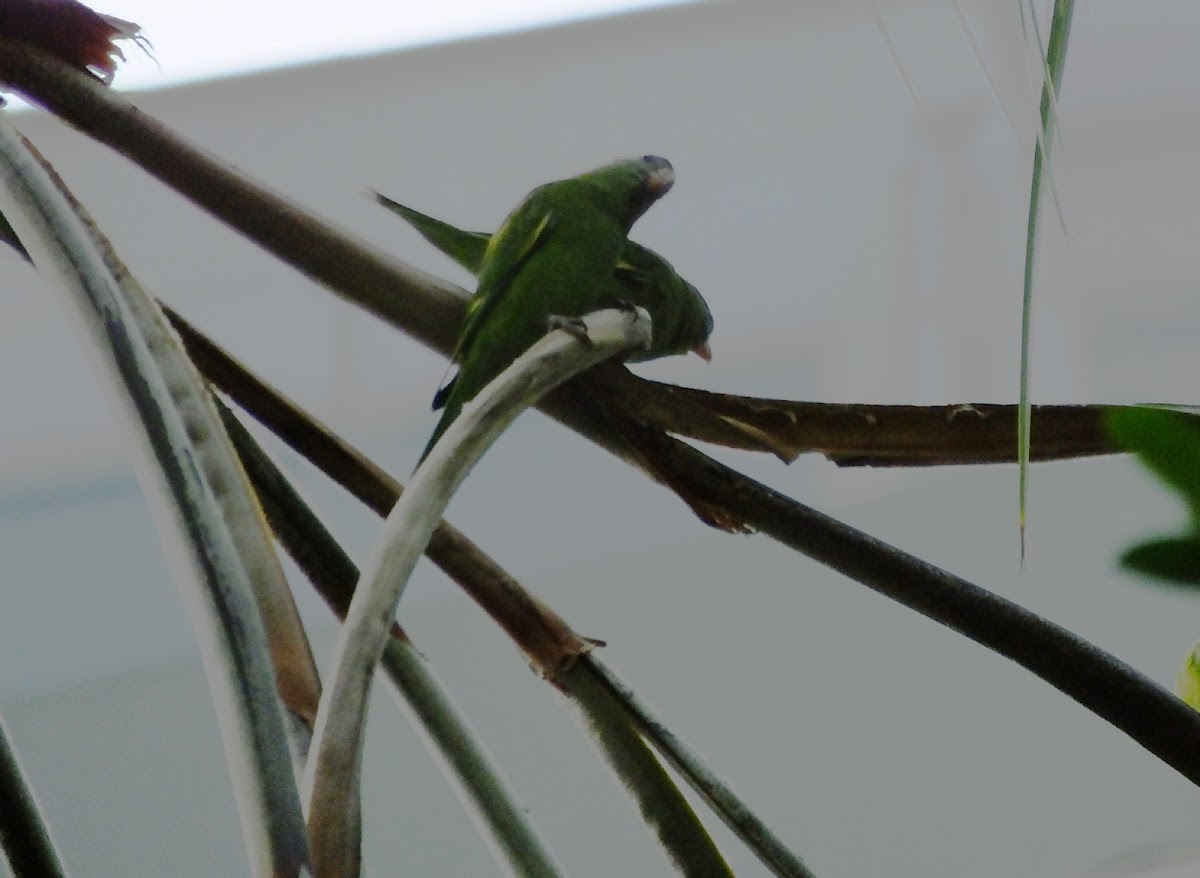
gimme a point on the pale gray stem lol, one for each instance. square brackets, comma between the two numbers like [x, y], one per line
[341, 718]
[196, 489]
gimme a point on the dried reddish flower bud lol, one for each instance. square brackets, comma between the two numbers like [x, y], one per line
[70, 31]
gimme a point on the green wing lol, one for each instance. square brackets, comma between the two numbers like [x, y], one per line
[500, 269]
[630, 275]
[505, 254]
[682, 321]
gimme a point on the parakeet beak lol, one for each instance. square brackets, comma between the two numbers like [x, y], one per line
[661, 176]
[703, 351]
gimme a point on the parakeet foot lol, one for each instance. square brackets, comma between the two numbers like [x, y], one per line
[571, 326]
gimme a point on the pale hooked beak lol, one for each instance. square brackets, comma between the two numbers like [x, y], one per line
[703, 351]
[661, 176]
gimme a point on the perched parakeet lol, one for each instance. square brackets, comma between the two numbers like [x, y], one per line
[554, 255]
[680, 316]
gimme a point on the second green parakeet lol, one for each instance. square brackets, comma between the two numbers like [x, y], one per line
[556, 254]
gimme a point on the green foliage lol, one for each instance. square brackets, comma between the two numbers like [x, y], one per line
[1168, 443]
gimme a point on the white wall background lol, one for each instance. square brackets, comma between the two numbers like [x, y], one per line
[854, 212]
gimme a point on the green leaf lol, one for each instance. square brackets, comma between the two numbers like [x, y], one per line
[1174, 560]
[1053, 61]
[1168, 443]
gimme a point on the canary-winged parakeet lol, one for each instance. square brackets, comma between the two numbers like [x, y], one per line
[554, 255]
[680, 316]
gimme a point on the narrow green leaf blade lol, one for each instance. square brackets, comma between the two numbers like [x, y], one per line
[1054, 61]
[1172, 560]
[1168, 443]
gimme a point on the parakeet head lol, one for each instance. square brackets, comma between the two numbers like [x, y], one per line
[626, 189]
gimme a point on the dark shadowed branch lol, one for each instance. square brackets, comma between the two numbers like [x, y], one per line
[1110, 688]
[25, 842]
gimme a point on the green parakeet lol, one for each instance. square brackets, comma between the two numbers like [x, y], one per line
[556, 254]
[682, 321]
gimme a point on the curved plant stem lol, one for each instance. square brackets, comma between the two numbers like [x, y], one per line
[196, 489]
[328, 567]
[508, 831]
[545, 639]
[341, 719]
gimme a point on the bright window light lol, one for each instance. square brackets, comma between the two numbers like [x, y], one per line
[202, 39]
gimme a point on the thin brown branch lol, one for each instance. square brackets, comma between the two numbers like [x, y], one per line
[1110, 688]
[370, 483]
[430, 310]
[853, 434]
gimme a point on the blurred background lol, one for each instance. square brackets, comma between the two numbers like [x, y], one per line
[851, 195]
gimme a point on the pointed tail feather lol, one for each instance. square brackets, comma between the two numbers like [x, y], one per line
[465, 248]
[451, 411]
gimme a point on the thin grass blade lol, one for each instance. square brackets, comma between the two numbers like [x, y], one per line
[1054, 61]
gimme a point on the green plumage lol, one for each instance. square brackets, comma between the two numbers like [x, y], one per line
[563, 251]
[680, 316]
